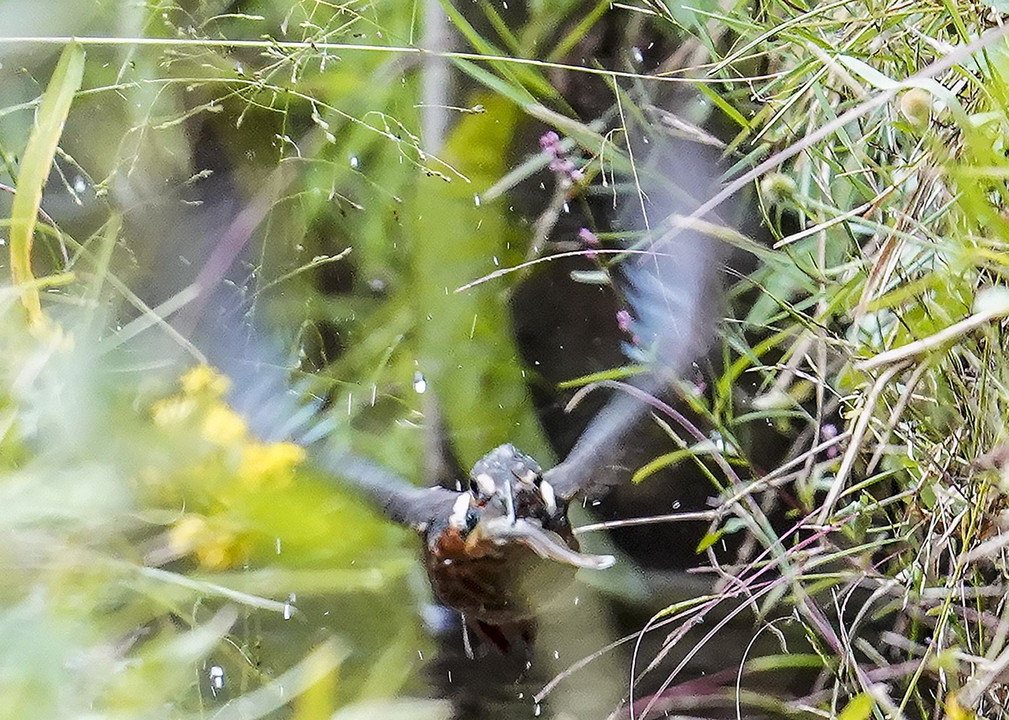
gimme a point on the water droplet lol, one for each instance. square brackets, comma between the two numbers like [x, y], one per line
[557, 655]
[577, 599]
[638, 57]
[497, 263]
[79, 184]
[278, 546]
[216, 679]
[3, 241]
[449, 677]
[538, 710]
[419, 383]
[476, 199]
[566, 209]
[676, 505]
[353, 161]
[289, 606]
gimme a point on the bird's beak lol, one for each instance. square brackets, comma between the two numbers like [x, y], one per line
[548, 545]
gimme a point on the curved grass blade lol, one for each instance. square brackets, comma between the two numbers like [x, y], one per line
[35, 166]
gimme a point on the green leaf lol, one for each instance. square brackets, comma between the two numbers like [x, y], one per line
[708, 540]
[38, 159]
[658, 463]
[859, 708]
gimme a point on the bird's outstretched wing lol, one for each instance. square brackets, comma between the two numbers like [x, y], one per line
[277, 410]
[393, 495]
[671, 283]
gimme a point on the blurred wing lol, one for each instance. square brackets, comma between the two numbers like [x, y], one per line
[672, 288]
[261, 391]
[393, 495]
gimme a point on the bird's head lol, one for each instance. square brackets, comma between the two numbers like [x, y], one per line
[508, 501]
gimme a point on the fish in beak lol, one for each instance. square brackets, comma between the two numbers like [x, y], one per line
[545, 543]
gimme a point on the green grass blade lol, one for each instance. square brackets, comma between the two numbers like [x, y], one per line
[38, 159]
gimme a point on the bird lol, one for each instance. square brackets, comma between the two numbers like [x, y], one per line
[500, 544]
[495, 551]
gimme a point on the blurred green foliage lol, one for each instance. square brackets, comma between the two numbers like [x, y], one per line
[161, 560]
[154, 552]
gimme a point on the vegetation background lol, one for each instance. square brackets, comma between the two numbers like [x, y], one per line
[333, 173]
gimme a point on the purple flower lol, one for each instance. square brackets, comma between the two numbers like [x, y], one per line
[549, 142]
[624, 320]
[588, 237]
[562, 165]
[829, 432]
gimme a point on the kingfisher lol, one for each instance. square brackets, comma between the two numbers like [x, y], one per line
[500, 546]
[495, 551]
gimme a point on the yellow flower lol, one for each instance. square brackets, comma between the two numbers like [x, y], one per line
[172, 411]
[215, 546]
[273, 464]
[222, 551]
[204, 379]
[223, 426]
[186, 534]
